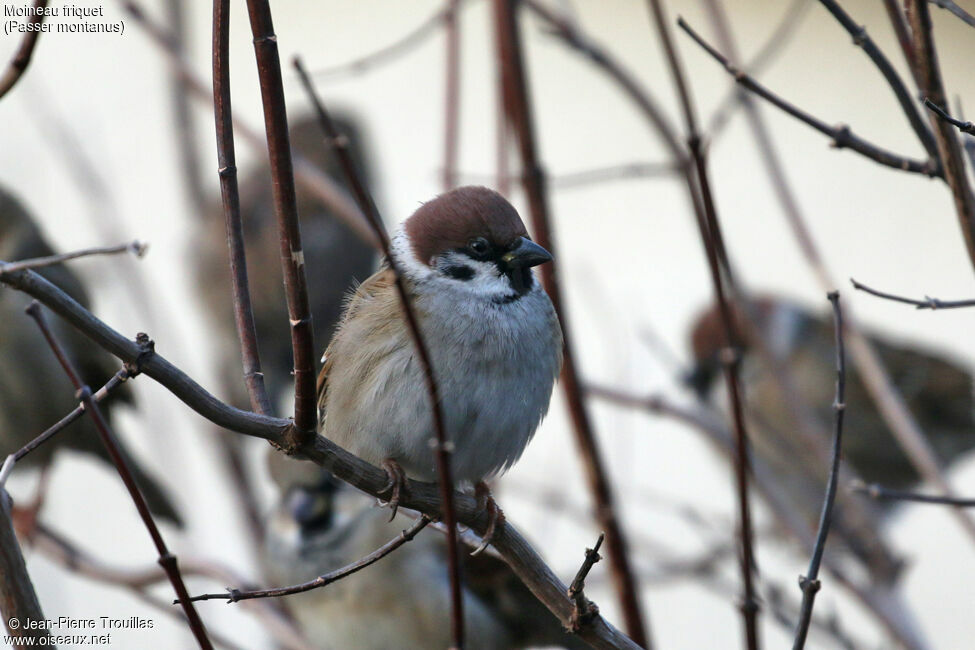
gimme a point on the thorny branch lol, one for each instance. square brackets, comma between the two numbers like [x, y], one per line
[809, 583]
[517, 108]
[17, 65]
[422, 497]
[927, 303]
[842, 136]
[442, 450]
[166, 559]
[234, 595]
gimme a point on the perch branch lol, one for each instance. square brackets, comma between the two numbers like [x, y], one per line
[442, 449]
[809, 583]
[18, 64]
[236, 595]
[517, 103]
[166, 559]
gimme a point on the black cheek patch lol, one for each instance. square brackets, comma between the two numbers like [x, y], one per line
[459, 272]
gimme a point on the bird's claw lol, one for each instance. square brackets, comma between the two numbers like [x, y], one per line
[496, 518]
[396, 486]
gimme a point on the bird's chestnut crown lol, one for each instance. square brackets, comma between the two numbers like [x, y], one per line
[474, 235]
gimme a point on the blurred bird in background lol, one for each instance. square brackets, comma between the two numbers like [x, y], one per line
[335, 260]
[790, 389]
[321, 524]
[34, 391]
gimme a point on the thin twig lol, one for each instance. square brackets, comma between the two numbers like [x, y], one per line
[234, 595]
[422, 497]
[18, 64]
[451, 95]
[964, 127]
[809, 583]
[442, 449]
[166, 559]
[584, 608]
[862, 39]
[842, 136]
[519, 113]
[927, 303]
[230, 195]
[879, 492]
[953, 8]
[928, 74]
[137, 248]
[391, 52]
[712, 240]
[18, 600]
[286, 213]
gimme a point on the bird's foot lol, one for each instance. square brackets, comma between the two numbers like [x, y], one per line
[396, 487]
[485, 501]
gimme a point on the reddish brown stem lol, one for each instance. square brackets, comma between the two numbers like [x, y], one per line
[442, 452]
[166, 559]
[18, 64]
[286, 212]
[518, 109]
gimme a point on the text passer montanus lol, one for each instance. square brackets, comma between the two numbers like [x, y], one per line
[494, 340]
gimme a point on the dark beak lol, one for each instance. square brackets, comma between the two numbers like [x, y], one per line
[526, 254]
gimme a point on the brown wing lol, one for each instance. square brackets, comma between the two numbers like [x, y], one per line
[379, 281]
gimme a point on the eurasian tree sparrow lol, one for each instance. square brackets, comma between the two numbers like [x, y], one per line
[937, 391]
[321, 525]
[34, 391]
[494, 339]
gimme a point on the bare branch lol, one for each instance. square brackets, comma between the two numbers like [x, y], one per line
[166, 559]
[964, 127]
[137, 248]
[953, 8]
[842, 136]
[584, 608]
[18, 64]
[18, 600]
[927, 303]
[236, 595]
[862, 40]
[713, 242]
[227, 171]
[809, 583]
[928, 74]
[517, 103]
[442, 452]
[879, 492]
[286, 213]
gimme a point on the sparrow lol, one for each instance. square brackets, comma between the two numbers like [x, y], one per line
[34, 390]
[494, 339]
[320, 524]
[335, 260]
[937, 391]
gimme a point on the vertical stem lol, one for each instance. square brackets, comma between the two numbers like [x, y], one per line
[518, 109]
[286, 212]
[717, 259]
[441, 452]
[451, 95]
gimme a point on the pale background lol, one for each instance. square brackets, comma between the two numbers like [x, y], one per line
[629, 252]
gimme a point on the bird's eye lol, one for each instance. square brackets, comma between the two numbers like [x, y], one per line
[478, 246]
